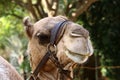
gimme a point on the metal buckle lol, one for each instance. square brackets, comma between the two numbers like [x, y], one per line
[52, 48]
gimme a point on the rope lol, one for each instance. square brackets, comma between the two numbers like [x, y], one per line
[99, 67]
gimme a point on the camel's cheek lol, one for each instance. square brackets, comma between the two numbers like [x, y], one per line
[36, 52]
[63, 59]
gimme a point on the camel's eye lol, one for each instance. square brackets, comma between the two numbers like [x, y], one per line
[43, 38]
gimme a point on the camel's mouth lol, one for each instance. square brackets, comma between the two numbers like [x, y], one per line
[76, 57]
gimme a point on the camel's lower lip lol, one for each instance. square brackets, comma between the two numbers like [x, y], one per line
[78, 58]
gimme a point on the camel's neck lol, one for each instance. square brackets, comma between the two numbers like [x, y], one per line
[55, 74]
[51, 75]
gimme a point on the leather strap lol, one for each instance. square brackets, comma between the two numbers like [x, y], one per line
[56, 31]
[63, 73]
[40, 66]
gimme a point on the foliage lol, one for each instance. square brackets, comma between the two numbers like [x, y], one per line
[41, 8]
[8, 7]
[103, 20]
[13, 43]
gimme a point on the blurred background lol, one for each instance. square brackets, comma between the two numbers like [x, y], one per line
[100, 17]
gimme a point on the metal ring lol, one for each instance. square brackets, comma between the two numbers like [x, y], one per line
[53, 46]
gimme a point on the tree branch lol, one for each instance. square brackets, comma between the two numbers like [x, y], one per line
[31, 9]
[38, 10]
[20, 3]
[17, 16]
[42, 10]
[29, 6]
[67, 10]
[81, 9]
[49, 6]
[57, 4]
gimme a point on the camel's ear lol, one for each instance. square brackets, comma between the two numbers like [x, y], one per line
[28, 26]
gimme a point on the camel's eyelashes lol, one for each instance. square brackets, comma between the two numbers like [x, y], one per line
[43, 38]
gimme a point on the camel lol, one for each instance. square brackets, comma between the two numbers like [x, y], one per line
[73, 48]
[7, 71]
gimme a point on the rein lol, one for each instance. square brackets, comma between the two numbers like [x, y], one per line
[56, 34]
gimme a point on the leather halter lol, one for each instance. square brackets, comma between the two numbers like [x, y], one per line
[56, 34]
[56, 31]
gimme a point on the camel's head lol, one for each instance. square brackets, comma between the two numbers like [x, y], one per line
[74, 46]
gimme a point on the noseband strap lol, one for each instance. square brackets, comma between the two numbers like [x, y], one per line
[56, 34]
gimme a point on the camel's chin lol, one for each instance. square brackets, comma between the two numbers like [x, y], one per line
[76, 57]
